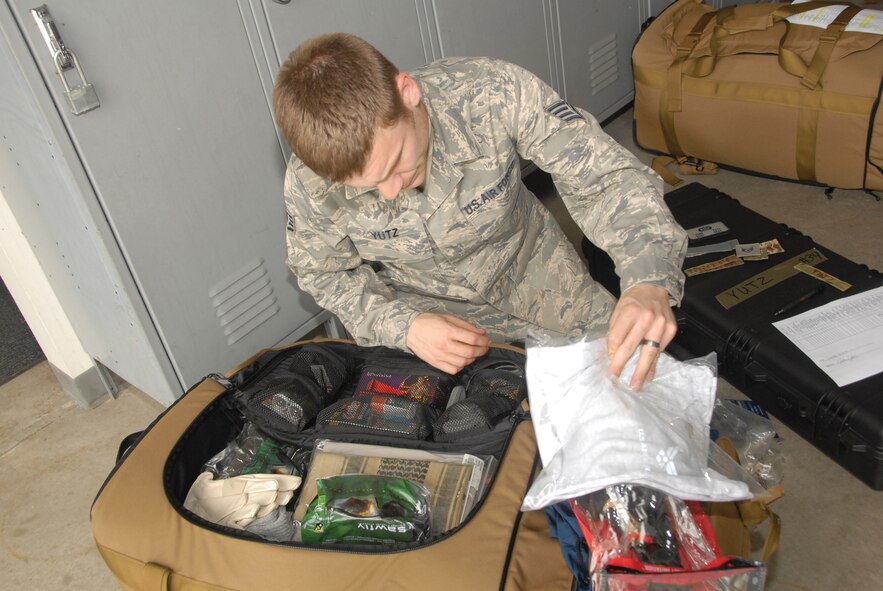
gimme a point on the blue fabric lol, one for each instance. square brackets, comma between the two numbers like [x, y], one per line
[565, 528]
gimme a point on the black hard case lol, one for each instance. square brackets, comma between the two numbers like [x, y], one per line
[846, 423]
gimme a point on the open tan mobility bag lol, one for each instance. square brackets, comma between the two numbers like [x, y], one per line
[150, 541]
[745, 88]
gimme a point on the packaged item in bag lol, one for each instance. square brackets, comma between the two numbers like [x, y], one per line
[380, 415]
[641, 539]
[455, 481]
[410, 379]
[754, 437]
[640, 527]
[254, 453]
[360, 509]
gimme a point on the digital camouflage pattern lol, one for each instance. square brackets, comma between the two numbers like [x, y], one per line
[476, 243]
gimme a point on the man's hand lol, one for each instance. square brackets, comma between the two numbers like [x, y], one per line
[446, 342]
[642, 313]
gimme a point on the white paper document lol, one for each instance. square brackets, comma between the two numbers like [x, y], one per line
[844, 337]
[866, 21]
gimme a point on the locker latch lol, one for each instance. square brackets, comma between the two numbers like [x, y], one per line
[81, 95]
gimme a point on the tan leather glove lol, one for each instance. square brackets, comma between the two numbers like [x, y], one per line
[236, 502]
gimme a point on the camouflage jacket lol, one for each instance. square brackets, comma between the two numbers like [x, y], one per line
[476, 243]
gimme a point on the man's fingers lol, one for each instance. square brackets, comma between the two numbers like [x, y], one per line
[637, 324]
[446, 367]
[646, 362]
[462, 350]
[446, 342]
[651, 373]
[460, 323]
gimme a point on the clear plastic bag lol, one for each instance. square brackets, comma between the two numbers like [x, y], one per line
[455, 481]
[755, 439]
[593, 431]
[252, 452]
[361, 509]
[642, 527]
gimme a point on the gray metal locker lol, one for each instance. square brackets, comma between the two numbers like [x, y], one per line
[183, 160]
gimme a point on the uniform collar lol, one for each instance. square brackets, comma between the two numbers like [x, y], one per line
[453, 133]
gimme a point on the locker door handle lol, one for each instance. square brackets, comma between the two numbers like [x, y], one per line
[81, 96]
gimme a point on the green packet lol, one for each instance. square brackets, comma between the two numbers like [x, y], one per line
[364, 509]
[269, 459]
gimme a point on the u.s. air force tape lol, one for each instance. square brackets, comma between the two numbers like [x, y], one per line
[766, 279]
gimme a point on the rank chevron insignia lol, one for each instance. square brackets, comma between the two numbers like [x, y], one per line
[563, 111]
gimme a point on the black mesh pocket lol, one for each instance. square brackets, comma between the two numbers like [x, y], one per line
[495, 390]
[328, 369]
[499, 384]
[472, 416]
[289, 396]
[379, 415]
[284, 406]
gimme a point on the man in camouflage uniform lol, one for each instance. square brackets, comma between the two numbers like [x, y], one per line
[432, 243]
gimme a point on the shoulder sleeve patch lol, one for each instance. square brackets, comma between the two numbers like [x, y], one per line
[563, 111]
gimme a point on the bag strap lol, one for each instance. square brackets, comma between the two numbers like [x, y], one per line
[728, 23]
[671, 99]
[753, 512]
[811, 74]
[686, 166]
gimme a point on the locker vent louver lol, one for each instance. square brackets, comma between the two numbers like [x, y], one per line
[244, 300]
[603, 70]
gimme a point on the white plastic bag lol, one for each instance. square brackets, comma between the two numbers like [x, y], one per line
[593, 431]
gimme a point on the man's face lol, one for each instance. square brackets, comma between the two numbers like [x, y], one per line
[398, 157]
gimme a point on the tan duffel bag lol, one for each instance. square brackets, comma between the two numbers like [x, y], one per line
[151, 541]
[745, 88]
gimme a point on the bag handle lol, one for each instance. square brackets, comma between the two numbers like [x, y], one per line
[810, 74]
[824, 50]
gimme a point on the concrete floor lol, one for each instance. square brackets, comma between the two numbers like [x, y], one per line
[54, 455]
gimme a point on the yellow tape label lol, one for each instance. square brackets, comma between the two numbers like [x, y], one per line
[822, 276]
[724, 263]
[765, 280]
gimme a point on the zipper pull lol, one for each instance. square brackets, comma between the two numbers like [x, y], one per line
[521, 413]
[227, 384]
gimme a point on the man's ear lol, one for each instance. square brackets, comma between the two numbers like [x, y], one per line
[408, 89]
